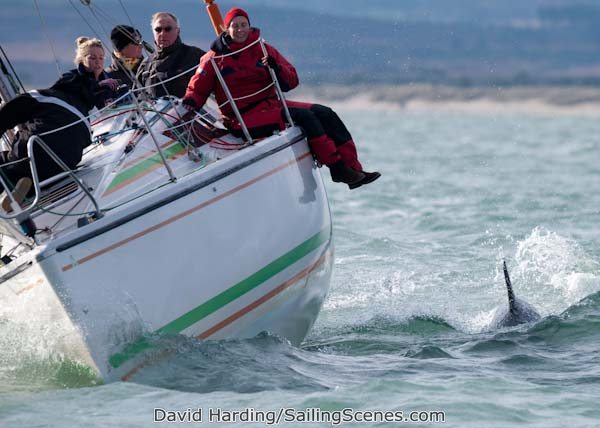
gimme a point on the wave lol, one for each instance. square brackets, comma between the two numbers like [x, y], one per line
[433, 336]
[265, 362]
[29, 362]
[587, 308]
[411, 337]
[384, 325]
[336, 356]
[577, 325]
[32, 373]
[330, 357]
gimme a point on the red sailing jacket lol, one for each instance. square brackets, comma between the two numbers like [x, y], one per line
[244, 75]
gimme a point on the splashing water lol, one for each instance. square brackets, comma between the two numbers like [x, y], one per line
[416, 281]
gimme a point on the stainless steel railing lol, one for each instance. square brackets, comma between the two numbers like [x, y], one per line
[232, 100]
[20, 213]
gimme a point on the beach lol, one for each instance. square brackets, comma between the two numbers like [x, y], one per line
[545, 100]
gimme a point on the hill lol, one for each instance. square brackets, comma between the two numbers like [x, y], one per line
[462, 43]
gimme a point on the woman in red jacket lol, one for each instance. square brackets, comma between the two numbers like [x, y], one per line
[246, 75]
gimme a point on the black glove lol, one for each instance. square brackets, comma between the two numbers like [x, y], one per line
[189, 104]
[273, 64]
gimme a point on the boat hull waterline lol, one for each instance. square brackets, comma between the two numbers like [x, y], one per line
[248, 251]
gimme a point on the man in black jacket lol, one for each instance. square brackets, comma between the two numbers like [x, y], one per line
[172, 57]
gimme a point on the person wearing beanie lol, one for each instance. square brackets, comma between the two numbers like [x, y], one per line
[232, 13]
[162, 71]
[246, 73]
[127, 54]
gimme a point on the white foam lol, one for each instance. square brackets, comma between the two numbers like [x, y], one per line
[553, 270]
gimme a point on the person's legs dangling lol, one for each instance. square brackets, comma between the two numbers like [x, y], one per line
[335, 129]
[324, 147]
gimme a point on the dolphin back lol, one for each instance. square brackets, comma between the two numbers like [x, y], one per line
[519, 311]
[511, 294]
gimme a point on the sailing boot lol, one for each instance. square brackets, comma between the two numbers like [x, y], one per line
[340, 173]
[369, 178]
[19, 193]
[348, 153]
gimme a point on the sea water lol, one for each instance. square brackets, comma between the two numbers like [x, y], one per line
[417, 279]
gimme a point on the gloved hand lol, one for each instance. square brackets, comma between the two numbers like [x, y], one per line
[189, 105]
[268, 60]
[112, 84]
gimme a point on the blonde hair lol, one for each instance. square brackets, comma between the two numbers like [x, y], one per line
[83, 47]
[158, 15]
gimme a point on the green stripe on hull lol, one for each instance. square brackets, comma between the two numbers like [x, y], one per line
[139, 168]
[226, 297]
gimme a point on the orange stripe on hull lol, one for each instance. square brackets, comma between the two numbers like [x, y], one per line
[181, 215]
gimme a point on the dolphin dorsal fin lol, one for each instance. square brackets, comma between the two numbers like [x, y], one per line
[511, 295]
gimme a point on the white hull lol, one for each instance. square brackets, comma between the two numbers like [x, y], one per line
[239, 247]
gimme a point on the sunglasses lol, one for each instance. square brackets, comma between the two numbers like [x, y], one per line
[161, 29]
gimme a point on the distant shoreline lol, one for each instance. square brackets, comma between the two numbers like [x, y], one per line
[560, 100]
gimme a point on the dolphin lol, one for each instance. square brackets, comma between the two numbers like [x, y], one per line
[519, 311]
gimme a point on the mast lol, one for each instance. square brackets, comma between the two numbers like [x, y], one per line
[215, 16]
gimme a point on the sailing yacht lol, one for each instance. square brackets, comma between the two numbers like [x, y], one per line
[169, 225]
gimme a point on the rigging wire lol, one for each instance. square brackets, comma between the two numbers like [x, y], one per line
[107, 17]
[84, 19]
[98, 14]
[101, 15]
[99, 23]
[126, 14]
[37, 7]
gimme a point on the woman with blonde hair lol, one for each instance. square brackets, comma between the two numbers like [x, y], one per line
[89, 60]
[67, 102]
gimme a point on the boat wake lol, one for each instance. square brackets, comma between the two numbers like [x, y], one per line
[435, 338]
[29, 363]
[549, 269]
[265, 362]
[546, 259]
[330, 358]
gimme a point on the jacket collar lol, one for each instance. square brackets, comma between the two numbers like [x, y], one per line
[81, 70]
[224, 44]
[166, 51]
[124, 63]
[84, 72]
